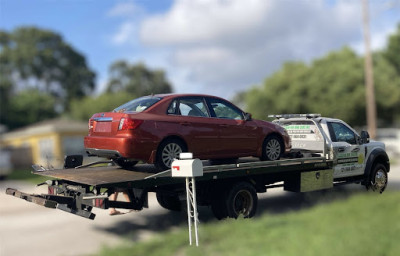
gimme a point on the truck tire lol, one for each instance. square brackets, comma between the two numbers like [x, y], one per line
[241, 200]
[378, 178]
[272, 148]
[169, 202]
[218, 205]
[167, 152]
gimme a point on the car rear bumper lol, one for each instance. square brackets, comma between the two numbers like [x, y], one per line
[115, 147]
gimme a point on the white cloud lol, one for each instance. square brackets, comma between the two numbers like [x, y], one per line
[223, 46]
[125, 33]
[124, 9]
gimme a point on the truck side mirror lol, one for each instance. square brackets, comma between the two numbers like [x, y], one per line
[364, 137]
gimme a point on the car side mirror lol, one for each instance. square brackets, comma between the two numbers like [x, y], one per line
[247, 117]
[364, 137]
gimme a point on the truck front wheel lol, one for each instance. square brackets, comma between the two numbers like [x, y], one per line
[378, 178]
[241, 200]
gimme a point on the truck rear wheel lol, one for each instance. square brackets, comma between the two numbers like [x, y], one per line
[169, 202]
[218, 205]
[378, 178]
[241, 200]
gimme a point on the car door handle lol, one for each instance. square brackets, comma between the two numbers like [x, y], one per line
[356, 150]
[341, 149]
[185, 123]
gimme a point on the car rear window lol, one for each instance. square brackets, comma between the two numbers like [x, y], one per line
[138, 105]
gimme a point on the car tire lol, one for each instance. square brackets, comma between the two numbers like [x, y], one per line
[378, 178]
[125, 163]
[169, 202]
[273, 148]
[167, 152]
[241, 200]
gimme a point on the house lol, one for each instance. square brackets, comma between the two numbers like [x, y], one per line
[45, 143]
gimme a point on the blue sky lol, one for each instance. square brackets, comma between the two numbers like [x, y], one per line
[212, 46]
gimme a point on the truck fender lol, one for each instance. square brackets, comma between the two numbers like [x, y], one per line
[377, 155]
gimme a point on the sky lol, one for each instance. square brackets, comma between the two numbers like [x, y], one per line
[217, 47]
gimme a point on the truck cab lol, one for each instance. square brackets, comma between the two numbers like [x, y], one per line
[353, 155]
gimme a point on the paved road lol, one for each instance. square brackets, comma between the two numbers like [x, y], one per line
[28, 229]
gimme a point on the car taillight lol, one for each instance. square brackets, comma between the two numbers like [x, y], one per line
[91, 121]
[129, 124]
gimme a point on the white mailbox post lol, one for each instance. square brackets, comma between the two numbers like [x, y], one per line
[189, 168]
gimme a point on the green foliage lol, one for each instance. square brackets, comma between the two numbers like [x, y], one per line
[137, 79]
[30, 106]
[26, 175]
[332, 85]
[365, 224]
[392, 51]
[83, 109]
[33, 58]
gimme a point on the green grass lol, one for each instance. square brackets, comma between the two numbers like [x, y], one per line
[365, 224]
[26, 175]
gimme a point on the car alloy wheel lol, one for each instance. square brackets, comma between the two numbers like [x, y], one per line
[170, 152]
[272, 148]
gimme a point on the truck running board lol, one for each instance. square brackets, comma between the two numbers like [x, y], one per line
[64, 203]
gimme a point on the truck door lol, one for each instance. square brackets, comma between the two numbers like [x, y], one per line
[350, 155]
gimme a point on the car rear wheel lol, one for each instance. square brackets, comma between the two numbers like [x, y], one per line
[272, 148]
[167, 152]
[125, 163]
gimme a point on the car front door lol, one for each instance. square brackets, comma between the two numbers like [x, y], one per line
[349, 153]
[237, 137]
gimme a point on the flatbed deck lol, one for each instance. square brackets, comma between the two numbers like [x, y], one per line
[145, 176]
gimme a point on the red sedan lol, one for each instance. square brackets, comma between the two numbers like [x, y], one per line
[155, 129]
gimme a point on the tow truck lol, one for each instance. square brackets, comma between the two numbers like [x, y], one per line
[326, 152]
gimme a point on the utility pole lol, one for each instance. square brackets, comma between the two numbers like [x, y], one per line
[369, 75]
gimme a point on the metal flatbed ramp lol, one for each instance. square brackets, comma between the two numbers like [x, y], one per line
[96, 176]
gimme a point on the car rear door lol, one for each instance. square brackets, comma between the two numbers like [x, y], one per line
[192, 118]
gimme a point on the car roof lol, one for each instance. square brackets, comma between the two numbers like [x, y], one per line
[175, 95]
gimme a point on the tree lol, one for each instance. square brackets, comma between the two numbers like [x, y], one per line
[29, 106]
[35, 58]
[137, 79]
[332, 85]
[83, 109]
[392, 51]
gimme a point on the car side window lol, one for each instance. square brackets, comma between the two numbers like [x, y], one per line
[172, 109]
[341, 133]
[189, 107]
[225, 110]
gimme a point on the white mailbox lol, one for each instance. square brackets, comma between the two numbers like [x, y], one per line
[187, 168]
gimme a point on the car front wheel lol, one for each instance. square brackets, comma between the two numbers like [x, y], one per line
[272, 148]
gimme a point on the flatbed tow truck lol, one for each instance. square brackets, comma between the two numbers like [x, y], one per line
[326, 152]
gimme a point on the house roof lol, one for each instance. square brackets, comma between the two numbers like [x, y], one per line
[59, 125]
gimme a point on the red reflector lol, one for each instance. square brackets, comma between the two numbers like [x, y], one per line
[129, 124]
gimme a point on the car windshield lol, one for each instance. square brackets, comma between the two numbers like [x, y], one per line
[138, 105]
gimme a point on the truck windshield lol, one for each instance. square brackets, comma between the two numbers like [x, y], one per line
[138, 105]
